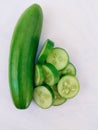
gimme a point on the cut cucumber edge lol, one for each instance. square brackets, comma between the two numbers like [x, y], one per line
[43, 96]
[75, 71]
[46, 49]
[58, 57]
[60, 91]
[58, 100]
[50, 72]
[39, 75]
[70, 69]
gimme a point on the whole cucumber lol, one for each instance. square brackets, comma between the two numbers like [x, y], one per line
[23, 50]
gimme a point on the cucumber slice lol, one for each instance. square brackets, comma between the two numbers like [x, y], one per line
[39, 75]
[46, 49]
[51, 75]
[58, 100]
[70, 69]
[68, 86]
[59, 58]
[43, 96]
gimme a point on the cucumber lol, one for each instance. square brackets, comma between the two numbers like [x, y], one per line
[43, 96]
[70, 69]
[23, 49]
[59, 58]
[51, 75]
[68, 86]
[46, 49]
[58, 100]
[39, 75]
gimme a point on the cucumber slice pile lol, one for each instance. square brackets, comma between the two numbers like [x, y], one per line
[55, 77]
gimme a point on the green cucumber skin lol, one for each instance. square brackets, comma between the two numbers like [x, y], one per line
[49, 46]
[23, 49]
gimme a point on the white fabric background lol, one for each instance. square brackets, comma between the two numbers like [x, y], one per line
[73, 25]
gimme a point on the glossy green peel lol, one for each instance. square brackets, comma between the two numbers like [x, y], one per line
[23, 49]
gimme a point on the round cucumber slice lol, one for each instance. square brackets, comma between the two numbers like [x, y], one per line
[51, 75]
[70, 69]
[58, 100]
[58, 57]
[46, 49]
[68, 86]
[43, 96]
[39, 75]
